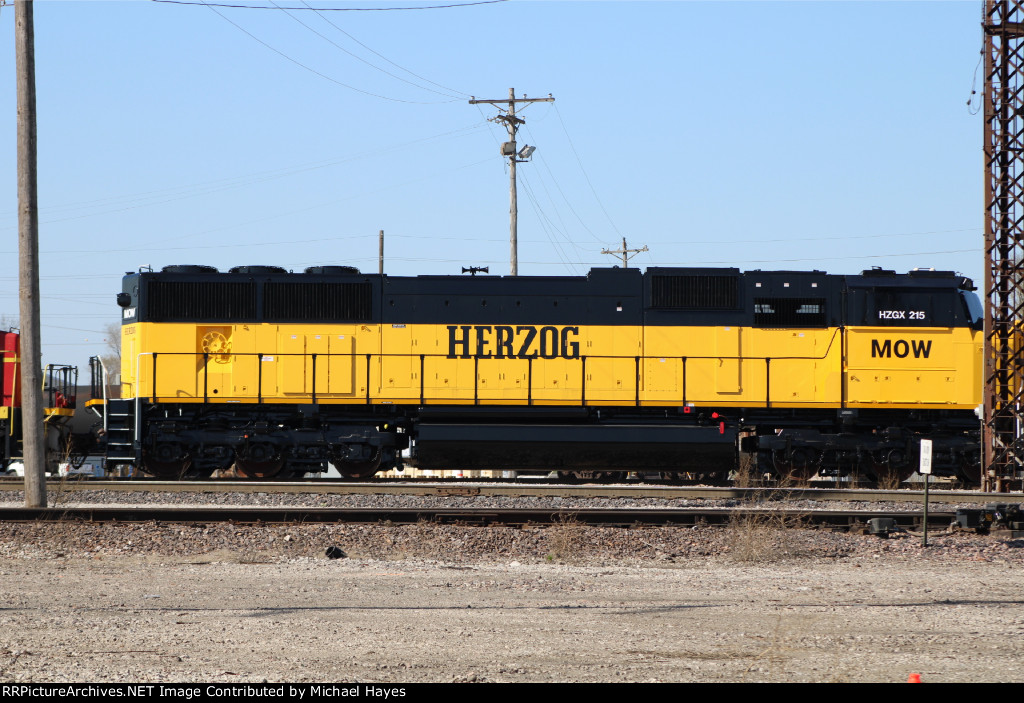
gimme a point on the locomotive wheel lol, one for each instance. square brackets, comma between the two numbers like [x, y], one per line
[357, 470]
[258, 469]
[798, 468]
[969, 472]
[198, 474]
[258, 460]
[892, 469]
[172, 469]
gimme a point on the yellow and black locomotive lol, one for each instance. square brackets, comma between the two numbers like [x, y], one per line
[671, 370]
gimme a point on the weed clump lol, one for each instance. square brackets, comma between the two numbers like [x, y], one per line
[564, 538]
[758, 535]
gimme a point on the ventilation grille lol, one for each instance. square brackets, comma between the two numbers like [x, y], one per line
[789, 312]
[695, 292]
[201, 301]
[284, 302]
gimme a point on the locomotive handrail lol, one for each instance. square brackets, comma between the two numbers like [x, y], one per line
[423, 398]
[137, 416]
[745, 357]
[103, 380]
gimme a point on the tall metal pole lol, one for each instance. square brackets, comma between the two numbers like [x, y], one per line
[1002, 445]
[380, 253]
[33, 446]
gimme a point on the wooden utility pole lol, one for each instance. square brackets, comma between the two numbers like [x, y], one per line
[509, 149]
[33, 445]
[626, 253]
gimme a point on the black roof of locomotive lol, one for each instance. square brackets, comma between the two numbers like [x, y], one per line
[659, 295]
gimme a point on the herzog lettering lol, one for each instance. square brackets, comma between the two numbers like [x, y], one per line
[901, 348]
[507, 342]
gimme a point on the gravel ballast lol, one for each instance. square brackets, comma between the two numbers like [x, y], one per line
[751, 601]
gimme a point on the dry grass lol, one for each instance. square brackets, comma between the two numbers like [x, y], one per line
[749, 475]
[757, 535]
[745, 475]
[565, 538]
[888, 480]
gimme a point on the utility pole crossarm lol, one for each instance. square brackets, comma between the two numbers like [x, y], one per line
[513, 100]
[625, 252]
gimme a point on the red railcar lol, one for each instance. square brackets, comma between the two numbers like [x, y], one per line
[59, 383]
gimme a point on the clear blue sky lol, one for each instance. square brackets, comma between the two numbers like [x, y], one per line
[774, 135]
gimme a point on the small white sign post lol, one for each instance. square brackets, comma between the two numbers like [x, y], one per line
[925, 469]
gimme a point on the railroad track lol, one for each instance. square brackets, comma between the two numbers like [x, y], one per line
[450, 488]
[517, 517]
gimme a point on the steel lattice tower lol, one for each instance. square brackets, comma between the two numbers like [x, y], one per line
[1003, 445]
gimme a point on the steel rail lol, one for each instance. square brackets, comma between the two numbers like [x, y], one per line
[623, 517]
[520, 489]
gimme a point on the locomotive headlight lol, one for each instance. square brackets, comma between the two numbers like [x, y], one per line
[124, 300]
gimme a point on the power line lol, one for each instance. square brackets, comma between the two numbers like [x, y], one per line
[402, 68]
[178, 238]
[218, 185]
[298, 63]
[731, 262]
[819, 238]
[547, 225]
[286, 213]
[333, 9]
[359, 58]
[580, 162]
[233, 245]
[566, 199]
[725, 242]
[563, 230]
[73, 329]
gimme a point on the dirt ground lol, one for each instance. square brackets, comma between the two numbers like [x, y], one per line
[133, 614]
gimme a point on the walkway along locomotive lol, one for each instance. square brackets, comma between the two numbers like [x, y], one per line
[275, 374]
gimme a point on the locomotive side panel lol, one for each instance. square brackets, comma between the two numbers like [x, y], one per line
[559, 341]
[179, 362]
[781, 368]
[910, 367]
[910, 343]
[717, 337]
